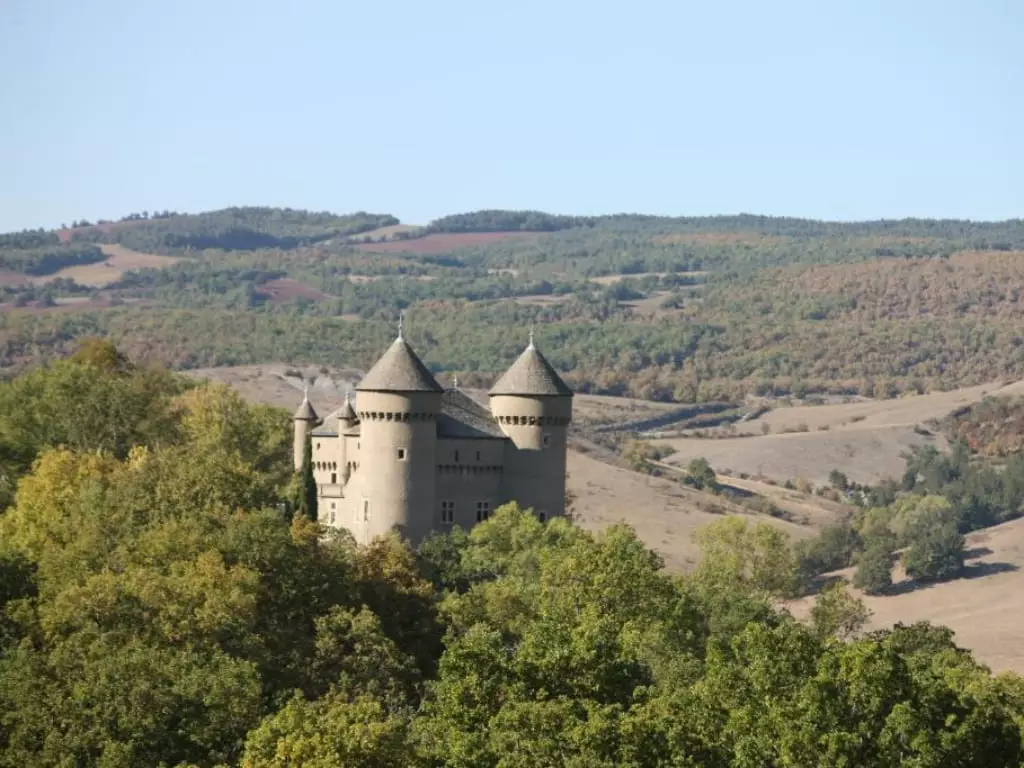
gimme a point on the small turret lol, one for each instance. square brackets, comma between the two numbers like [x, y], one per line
[305, 419]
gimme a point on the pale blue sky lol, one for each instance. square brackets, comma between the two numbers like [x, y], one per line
[830, 109]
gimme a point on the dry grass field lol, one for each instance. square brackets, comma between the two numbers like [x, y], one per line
[983, 608]
[119, 260]
[864, 439]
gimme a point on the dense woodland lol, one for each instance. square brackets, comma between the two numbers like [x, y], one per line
[711, 308]
[159, 608]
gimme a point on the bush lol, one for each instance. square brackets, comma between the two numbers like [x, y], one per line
[874, 570]
[936, 554]
[700, 474]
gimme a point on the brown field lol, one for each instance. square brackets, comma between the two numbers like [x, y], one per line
[119, 260]
[864, 439]
[443, 242]
[386, 232]
[11, 278]
[983, 609]
[285, 289]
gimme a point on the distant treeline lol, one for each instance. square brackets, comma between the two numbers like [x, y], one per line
[234, 229]
[47, 259]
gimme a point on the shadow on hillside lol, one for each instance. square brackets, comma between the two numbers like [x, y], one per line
[977, 552]
[975, 571]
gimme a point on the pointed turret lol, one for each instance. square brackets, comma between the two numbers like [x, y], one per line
[399, 403]
[531, 375]
[305, 419]
[533, 406]
[399, 370]
[305, 410]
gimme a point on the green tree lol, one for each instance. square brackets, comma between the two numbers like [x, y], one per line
[306, 503]
[874, 570]
[936, 554]
[701, 474]
[837, 613]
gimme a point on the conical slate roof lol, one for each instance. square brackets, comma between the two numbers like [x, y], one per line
[399, 370]
[531, 374]
[305, 411]
[345, 413]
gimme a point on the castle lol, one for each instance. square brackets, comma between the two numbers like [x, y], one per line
[414, 456]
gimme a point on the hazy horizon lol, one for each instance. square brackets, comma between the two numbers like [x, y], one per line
[839, 113]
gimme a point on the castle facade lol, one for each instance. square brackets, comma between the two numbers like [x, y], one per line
[410, 455]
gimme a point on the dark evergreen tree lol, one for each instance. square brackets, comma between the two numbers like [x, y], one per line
[305, 504]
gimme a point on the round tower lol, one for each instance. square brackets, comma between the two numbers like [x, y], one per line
[305, 419]
[346, 421]
[398, 406]
[533, 406]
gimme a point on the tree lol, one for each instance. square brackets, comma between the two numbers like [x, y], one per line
[874, 570]
[837, 613]
[756, 557]
[838, 480]
[936, 554]
[701, 474]
[306, 503]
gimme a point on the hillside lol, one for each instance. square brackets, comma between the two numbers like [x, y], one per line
[981, 608]
[867, 439]
[684, 309]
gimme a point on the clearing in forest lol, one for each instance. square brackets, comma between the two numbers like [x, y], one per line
[101, 274]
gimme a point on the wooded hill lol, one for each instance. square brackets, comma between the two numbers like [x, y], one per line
[708, 308]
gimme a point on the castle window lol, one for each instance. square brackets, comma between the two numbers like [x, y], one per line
[542, 516]
[478, 455]
[448, 512]
[456, 456]
[366, 510]
[546, 440]
[318, 446]
[483, 510]
[334, 478]
[401, 454]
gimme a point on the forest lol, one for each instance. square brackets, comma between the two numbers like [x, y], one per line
[681, 309]
[160, 607]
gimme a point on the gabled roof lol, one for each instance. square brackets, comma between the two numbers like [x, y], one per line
[399, 370]
[531, 374]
